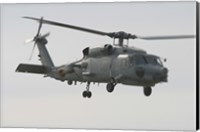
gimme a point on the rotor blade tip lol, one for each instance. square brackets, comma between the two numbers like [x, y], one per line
[25, 17]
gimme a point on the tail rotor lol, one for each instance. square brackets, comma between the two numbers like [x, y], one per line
[38, 37]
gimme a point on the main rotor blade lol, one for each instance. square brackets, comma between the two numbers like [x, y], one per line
[119, 35]
[167, 37]
[68, 26]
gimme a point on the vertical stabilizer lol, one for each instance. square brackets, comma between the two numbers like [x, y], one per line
[43, 53]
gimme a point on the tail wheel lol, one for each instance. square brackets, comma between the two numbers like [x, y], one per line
[110, 87]
[69, 82]
[147, 91]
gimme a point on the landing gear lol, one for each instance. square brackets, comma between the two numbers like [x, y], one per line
[110, 87]
[87, 93]
[69, 82]
[147, 91]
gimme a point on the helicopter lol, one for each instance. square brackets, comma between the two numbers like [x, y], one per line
[111, 63]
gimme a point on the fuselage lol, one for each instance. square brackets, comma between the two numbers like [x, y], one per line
[126, 65]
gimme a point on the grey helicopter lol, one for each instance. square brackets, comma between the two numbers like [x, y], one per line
[111, 63]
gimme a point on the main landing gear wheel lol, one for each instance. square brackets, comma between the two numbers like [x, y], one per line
[110, 87]
[69, 82]
[87, 93]
[147, 91]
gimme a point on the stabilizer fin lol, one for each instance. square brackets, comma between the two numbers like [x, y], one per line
[29, 68]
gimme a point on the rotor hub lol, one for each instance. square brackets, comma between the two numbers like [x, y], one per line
[121, 35]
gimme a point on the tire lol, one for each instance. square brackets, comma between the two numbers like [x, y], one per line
[85, 94]
[89, 94]
[69, 82]
[110, 87]
[147, 91]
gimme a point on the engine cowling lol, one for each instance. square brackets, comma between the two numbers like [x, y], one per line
[107, 49]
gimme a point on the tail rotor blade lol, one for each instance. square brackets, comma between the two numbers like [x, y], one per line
[32, 51]
[40, 26]
[45, 35]
[29, 40]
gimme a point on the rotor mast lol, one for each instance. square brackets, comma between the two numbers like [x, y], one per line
[120, 41]
[121, 35]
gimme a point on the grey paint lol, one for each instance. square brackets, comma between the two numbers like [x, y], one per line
[29, 104]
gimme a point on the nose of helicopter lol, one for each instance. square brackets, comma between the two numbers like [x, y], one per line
[161, 75]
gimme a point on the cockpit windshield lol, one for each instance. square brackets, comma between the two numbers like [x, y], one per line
[153, 60]
[147, 59]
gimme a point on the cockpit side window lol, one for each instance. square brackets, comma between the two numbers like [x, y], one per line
[131, 60]
[151, 60]
[140, 60]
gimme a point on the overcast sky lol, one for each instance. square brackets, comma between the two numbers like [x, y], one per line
[29, 100]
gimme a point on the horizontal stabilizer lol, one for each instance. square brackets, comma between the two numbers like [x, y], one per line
[39, 69]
